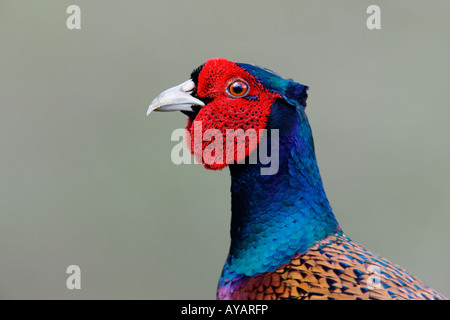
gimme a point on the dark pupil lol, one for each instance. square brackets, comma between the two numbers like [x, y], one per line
[238, 88]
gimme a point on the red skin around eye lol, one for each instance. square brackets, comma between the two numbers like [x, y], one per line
[225, 112]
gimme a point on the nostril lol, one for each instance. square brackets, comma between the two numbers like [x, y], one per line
[188, 86]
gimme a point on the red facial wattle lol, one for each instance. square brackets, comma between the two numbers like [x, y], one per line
[238, 101]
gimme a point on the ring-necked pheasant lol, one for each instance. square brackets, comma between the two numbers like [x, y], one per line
[285, 240]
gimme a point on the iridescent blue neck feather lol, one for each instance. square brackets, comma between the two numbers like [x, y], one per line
[276, 216]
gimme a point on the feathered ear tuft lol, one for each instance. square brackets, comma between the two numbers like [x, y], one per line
[292, 92]
[296, 93]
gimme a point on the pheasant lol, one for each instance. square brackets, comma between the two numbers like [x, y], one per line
[285, 240]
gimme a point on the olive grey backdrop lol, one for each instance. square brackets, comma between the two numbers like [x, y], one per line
[86, 178]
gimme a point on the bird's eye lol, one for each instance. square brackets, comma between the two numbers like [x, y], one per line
[238, 88]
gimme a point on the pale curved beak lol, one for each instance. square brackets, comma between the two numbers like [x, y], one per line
[178, 98]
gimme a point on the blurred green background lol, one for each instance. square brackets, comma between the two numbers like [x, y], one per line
[87, 179]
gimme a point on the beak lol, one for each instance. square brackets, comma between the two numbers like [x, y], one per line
[178, 98]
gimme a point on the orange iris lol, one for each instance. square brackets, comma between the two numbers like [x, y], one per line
[238, 88]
